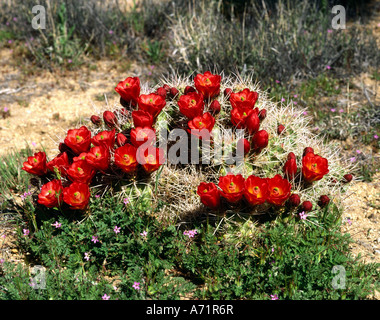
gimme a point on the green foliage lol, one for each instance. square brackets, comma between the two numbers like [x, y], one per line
[285, 256]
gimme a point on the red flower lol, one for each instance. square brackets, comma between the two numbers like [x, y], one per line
[142, 118]
[59, 163]
[239, 116]
[109, 119]
[121, 139]
[36, 164]
[81, 171]
[208, 84]
[260, 140]
[314, 167]
[78, 140]
[129, 89]
[214, 107]
[82, 156]
[77, 195]
[125, 158]
[253, 122]
[51, 194]
[152, 103]
[232, 187]
[290, 168]
[209, 194]
[291, 155]
[189, 89]
[105, 138]
[255, 190]
[227, 92]
[173, 92]
[197, 124]
[150, 158]
[191, 105]
[245, 98]
[279, 190]
[141, 135]
[99, 157]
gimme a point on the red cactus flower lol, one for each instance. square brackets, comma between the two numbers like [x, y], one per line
[81, 171]
[121, 139]
[51, 194]
[141, 135]
[314, 167]
[150, 158]
[59, 163]
[294, 200]
[256, 190]
[208, 84]
[78, 140]
[82, 156]
[253, 122]
[279, 190]
[105, 138]
[232, 187]
[239, 116]
[290, 168]
[209, 195]
[260, 140]
[125, 158]
[99, 157]
[191, 105]
[197, 124]
[307, 206]
[152, 103]
[77, 195]
[129, 89]
[214, 107]
[142, 118]
[245, 98]
[36, 164]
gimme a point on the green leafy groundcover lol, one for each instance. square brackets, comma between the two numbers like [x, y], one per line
[125, 252]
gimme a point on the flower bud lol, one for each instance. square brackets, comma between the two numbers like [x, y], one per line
[294, 200]
[215, 107]
[260, 140]
[307, 206]
[162, 92]
[307, 150]
[347, 177]
[227, 92]
[189, 89]
[96, 120]
[291, 155]
[323, 201]
[262, 114]
[173, 92]
[280, 129]
[121, 139]
[109, 118]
